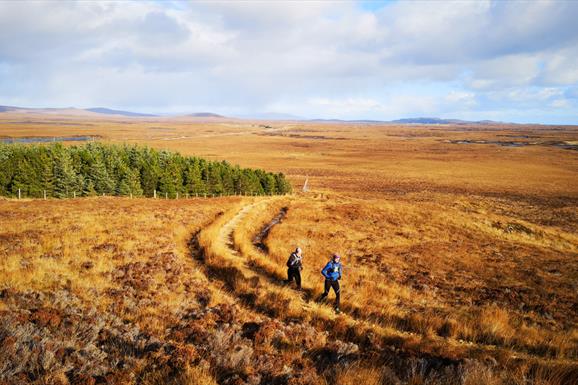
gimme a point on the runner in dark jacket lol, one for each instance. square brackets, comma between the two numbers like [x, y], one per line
[294, 267]
[332, 273]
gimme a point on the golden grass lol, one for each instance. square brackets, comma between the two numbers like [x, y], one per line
[188, 376]
[362, 160]
[448, 252]
[79, 245]
[381, 283]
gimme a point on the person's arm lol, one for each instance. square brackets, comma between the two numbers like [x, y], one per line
[325, 270]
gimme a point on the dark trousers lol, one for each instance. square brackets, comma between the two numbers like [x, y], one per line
[294, 273]
[335, 285]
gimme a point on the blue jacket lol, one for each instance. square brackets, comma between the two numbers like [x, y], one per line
[332, 271]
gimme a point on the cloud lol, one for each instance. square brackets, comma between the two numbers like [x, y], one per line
[467, 99]
[314, 58]
[561, 103]
[561, 67]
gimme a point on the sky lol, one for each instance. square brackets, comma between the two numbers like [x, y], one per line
[500, 60]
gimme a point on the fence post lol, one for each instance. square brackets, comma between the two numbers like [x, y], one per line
[130, 195]
[44, 194]
[74, 194]
[18, 193]
[177, 195]
[155, 194]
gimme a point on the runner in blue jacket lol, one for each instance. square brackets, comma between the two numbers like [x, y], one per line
[332, 273]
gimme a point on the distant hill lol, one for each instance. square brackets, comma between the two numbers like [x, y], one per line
[427, 121]
[205, 115]
[440, 121]
[108, 111]
[407, 121]
[271, 116]
[100, 111]
[6, 108]
[347, 121]
[72, 111]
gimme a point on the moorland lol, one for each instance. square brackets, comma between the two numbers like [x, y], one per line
[459, 244]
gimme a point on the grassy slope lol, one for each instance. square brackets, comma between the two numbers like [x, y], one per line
[449, 252]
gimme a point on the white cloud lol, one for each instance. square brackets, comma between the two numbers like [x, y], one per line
[526, 96]
[560, 103]
[467, 99]
[248, 56]
[505, 71]
[562, 67]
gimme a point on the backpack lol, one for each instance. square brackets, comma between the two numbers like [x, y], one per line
[290, 261]
[293, 261]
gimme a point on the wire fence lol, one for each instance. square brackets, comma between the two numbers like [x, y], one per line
[45, 195]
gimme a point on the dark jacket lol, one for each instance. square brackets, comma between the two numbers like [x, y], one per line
[294, 261]
[332, 271]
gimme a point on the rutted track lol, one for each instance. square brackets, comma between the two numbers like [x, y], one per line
[263, 292]
[227, 265]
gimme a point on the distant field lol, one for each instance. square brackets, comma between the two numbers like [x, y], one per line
[354, 159]
[460, 249]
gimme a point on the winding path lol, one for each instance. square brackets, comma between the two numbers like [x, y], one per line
[264, 286]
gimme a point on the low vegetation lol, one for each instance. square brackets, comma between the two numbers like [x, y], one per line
[182, 292]
[449, 277]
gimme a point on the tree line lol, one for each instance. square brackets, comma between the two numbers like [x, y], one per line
[96, 169]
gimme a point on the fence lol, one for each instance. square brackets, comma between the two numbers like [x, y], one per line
[177, 195]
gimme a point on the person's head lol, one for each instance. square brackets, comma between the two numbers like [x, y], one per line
[336, 257]
[298, 251]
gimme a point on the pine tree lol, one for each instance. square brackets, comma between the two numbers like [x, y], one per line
[150, 171]
[193, 178]
[215, 179]
[23, 179]
[268, 182]
[64, 176]
[89, 189]
[46, 172]
[130, 184]
[171, 180]
[7, 167]
[99, 176]
[283, 185]
[227, 177]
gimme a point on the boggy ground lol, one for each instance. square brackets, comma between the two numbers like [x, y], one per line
[460, 262]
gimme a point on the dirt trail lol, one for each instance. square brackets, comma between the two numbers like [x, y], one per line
[226, 237]
[249, 287]
[227, 231]
[305, 302]
[265, 282]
